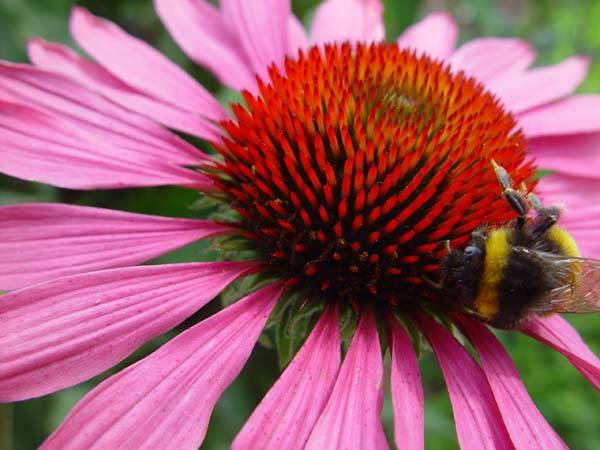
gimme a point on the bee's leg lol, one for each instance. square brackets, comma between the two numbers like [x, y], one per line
[478, 238]
[546, 216]
[436, 284]
[513, 197]
[535, 201]
[478, 235]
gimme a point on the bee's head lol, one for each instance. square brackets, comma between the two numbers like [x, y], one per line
[462, 269]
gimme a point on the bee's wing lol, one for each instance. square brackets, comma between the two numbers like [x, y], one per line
[579, 279]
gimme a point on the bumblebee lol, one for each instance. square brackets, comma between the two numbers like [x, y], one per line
[529, 266]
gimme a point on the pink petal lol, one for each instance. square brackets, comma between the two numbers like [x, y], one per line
[527, 427]
[38, 147]
[488, 58]
[262, 29]
[43, 241]
[525, 90]
[348, 20]
[587, 238]
[352, 416]
[297, 38]
[407, 390]
[576, 154]
[580, 199]
[60, 59]
[287, 414]
[140, 65]
[165, 400]
[199, 29]
[556, 332]
[479, 423]
[577, 114]
[60, 333]
[573, 192]
[588, 241]
[435, 36]
[96, 117]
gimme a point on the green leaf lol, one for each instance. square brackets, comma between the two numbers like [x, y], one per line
[414, 334]
[6, 427]
[398, 15]
[541, 173]
[239, 288]
[293, 327]
[205, 204]
[348, 324]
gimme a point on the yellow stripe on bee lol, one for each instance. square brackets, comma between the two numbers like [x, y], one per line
[564, 241]
[497, 250]
[568, 247]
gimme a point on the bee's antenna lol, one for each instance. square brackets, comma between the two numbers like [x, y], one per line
[547, 216]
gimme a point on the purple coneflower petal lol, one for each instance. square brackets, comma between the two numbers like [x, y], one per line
[576, 154]
[99, 119]
[479, 423]
[580, 198]
[199, 29]
[56, 154]
[527, 427]
[297, 38]
[348, 20]
[584, 228]
[576, 114]
[140, 65]
[525, 90]
[488, 58]
[574, 192]
[43, 241]
[352, 416]
[262, 29]
[287, 414]
[435, 35]
[61, 59]
[62, 332]
[556, 332]
[585, 233]
[407, 390]
[165, 400]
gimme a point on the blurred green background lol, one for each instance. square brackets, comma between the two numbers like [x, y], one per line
[557, 29]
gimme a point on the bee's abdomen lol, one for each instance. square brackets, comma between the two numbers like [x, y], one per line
[562, 241]
[524, 282]
[526, 278]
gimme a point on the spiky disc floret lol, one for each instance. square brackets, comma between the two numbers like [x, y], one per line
[354, 165]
